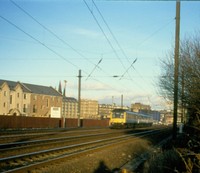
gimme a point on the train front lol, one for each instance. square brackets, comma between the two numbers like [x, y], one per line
[118, 118]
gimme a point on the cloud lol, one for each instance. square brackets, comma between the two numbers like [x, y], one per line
[87, 33]
[95, 87]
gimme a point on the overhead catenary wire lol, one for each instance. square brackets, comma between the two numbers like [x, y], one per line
[114, 37]
[109, 42]
[95, 64]
[56, 36]
[50, 31]
[118, 44]
[50, 49]
[128, 69]
[115, 52]
[94, 68]
[63, 41]
[38, 41]
[123, 52]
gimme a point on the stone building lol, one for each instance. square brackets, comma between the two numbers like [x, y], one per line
[17, 98]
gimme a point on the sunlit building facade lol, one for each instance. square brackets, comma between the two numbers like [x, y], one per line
[17, 98]
[69, 107]
[89, 109]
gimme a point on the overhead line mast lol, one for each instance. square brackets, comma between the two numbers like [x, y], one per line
[79, 98]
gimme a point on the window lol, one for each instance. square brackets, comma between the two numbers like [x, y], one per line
[5, 93]
[34, 109]
[118, 115]
[55, 108]
[10, 99]
[47, 102]
[18, 95]
[34, 97]
[24, 108]
[24, 96]
[17, 105]
[4, 104]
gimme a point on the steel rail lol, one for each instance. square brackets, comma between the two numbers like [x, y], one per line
[67, 147]
[47, 133]
[109, 141]
[17, 144]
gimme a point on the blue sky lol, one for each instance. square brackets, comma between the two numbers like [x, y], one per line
[144, 30]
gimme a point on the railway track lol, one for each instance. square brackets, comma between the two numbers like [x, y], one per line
[30, 160]
[41, 134]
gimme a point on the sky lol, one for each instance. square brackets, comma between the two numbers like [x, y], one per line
[117, 45]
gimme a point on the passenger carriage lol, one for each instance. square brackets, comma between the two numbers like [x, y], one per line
[121, 118]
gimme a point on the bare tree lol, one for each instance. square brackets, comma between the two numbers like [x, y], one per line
[189, 76]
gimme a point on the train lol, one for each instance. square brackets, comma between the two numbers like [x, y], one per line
[121, 118]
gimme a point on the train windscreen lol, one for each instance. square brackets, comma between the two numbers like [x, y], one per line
[117, 115]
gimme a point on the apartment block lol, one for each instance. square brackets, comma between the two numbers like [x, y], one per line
[89, 109]
[138, 107]
[69, 107]
[105, 110]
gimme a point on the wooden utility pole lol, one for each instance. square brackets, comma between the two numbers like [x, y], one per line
[183, 96]
[79, 97]
[176, 67]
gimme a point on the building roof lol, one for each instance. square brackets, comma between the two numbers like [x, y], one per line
[31, 88]
[69, 99]
[11, 84]
[44, 90]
